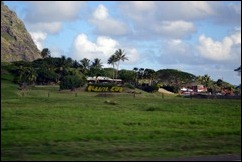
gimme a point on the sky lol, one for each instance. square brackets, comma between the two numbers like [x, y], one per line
[197, 37]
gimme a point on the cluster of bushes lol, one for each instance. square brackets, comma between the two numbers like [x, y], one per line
[71, 82]
[150, 89]
[153, 88]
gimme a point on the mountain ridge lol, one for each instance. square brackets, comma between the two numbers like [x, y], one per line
[16, 42]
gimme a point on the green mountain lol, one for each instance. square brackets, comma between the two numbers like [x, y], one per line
[172, 76]
[16, 42]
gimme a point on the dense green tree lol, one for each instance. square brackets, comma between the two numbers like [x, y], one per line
[127, 76]
[108, 72]
[205, 80]
[65, 62]
[45, 53]
[141, 74]
[219, 82]
[26, 75]
[47, 75]
[71, 82]
[72, 79]
[174, 78]
[150, 74]
[69, 62]
[22, 63]
[135, 69]
[76, 64]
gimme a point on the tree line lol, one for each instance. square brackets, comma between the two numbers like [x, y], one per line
[65, 71]
[71, 74]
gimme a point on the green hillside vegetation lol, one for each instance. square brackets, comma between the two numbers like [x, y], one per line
[173, 76]
[53, 70]
[43, 123]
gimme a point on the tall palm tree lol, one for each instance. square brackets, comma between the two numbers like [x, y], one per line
[96, 64]
[120, 56]
[96, 68]
[112, 60]
[85, 65]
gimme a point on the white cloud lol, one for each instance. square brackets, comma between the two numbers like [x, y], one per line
[100, 13]
[43, 11]
[189, 10]
[52, 28]
[227, 13]
[220, 50]
[42, 16]
[142, 6]
[106, 45]
[166, 10]
[172, 20]
[174, 29]
[236, 37]
[237, 8]
[150, 19]
[137, 10]
[132, 55]
[38, 38]
[103, 48]
[106, 25]
[176, 52]
[177, 47]
[85, 48]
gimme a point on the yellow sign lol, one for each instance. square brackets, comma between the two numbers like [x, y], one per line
[94, 88]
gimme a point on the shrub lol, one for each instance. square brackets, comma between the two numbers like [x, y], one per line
[71, 82]
[45, 76]
[173, 89]
[153, 88]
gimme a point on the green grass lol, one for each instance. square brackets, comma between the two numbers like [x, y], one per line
[64, 126]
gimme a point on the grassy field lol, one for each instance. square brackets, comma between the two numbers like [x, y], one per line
[82, 126]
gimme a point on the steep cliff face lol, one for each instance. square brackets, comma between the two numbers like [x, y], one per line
[16, 42]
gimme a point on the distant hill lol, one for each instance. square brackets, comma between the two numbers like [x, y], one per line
[16, 42]
[169, 76]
